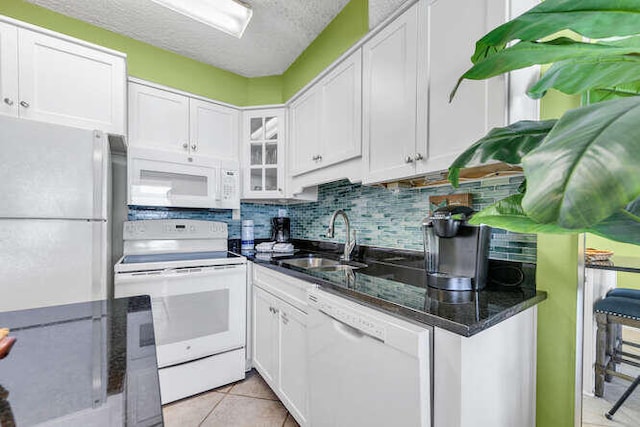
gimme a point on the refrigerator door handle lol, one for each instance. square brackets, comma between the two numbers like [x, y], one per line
[100, 175]
[99, 289]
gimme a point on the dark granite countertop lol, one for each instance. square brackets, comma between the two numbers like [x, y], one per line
[394, 282]
[81, 364]
[617, 263]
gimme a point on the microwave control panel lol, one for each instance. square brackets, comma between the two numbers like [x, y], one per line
[230, 187]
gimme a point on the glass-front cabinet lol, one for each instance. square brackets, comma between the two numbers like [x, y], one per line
[263, 140]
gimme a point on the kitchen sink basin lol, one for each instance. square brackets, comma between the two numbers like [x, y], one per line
[321, 264]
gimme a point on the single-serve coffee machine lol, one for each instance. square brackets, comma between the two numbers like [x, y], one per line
[456, 253]
[281, 229]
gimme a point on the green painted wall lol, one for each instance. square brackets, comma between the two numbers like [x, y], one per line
[557, 273]
[265, 90]
[349, 26]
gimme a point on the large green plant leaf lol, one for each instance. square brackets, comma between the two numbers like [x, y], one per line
[526, 54]
[587, 167]
[509, 215]
[621, 91]
[623, 226]
[591, 18]
[507, 144]
[575, 76]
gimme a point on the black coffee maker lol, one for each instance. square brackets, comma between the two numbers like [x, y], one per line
[281, 229]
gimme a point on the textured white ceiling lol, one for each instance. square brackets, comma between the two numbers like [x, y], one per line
[278, 32]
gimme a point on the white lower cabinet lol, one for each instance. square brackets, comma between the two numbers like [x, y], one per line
[334, 362]
[279, 347]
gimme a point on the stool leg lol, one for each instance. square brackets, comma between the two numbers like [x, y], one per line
[612, 347]
[609, 415]
[601, 348]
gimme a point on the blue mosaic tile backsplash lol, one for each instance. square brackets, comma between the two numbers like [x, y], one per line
[381, 217]
[260, 214]
[393, 218]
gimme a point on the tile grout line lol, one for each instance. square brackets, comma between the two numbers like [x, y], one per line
[256, 397]
[213, 409]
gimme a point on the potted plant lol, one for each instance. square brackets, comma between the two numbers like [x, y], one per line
[583, 170]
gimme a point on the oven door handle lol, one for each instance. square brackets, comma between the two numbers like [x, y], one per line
[213, 269]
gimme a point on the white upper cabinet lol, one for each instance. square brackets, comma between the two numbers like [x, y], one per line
[326, 119]
[454, 27]
[409, 70]
[158, 119]
[9, 69]
[305, 132]
[389, 100]
[176, 122]
[214, 129]
[263, 136]
[56, 80]
[341, 114]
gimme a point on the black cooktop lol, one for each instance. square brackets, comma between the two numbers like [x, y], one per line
[179, 256]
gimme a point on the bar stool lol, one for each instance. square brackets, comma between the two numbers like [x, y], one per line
[620, 307]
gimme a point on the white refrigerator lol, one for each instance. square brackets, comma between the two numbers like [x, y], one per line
[54, 204]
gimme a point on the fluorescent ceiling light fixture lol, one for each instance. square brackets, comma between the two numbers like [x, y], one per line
[229, 16]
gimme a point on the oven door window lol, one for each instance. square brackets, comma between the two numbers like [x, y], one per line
[197, 312]
[184, 317]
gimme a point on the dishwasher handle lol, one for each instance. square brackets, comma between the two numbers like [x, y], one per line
[350, 329]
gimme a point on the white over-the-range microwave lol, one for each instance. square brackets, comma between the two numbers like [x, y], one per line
[158, 178]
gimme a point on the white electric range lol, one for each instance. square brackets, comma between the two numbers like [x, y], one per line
[198, 293]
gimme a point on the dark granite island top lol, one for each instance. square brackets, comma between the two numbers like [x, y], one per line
[394, 281]
[82, 364]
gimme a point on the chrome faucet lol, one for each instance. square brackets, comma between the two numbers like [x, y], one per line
[350, 242]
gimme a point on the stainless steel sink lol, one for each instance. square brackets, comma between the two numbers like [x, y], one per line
[322, 264]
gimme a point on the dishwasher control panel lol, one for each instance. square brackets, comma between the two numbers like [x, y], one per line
[350, 317]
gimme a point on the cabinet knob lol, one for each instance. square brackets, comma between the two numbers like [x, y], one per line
[8, 101]
[408, 159]
[25, 104]
[194, 147]
[280, 190]
[185, 146]
[319, 157]
[418, 157]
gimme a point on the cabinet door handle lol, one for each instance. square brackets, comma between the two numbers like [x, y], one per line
[408, 159]
[185, 146]
[314, 158]
[319, 157]
[25, 104]
[194, 147]
[418, 157]
[8, 101]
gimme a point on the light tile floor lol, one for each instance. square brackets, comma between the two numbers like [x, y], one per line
[247, 403]
[593, 408]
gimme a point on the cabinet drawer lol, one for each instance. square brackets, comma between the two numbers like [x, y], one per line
[293, 291]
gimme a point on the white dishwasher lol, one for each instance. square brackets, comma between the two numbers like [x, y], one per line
[366, 368]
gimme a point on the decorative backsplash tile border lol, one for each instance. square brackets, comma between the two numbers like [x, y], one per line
[381, 217]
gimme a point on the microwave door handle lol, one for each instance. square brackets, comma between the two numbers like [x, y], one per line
[218, 186]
